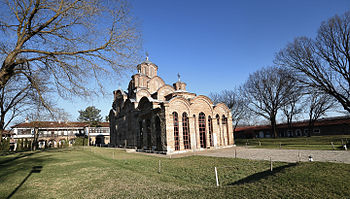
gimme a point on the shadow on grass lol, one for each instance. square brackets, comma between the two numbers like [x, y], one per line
[30, 153]
[20, 155]
[35, 169]
[258, 176]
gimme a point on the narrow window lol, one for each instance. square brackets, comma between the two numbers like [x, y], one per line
[210, 124]
[224, 127]
[201, 122]
[219, 130]
[176, 131]
[186, 131]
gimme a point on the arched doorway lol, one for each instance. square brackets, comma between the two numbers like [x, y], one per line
[100, 140]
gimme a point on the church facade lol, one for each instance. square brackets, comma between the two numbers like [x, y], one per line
[154, 116]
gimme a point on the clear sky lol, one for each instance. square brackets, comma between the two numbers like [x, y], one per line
[215, 45]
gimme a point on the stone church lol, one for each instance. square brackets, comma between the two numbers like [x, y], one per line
[154, 116]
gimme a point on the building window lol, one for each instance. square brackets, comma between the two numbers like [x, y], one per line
[225, 128]
[176, 131]
[210, 125]
[186, 131]
[219, 129]
[201, 122]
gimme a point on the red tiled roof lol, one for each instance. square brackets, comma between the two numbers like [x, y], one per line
[6, 132]
[321, 122]
[53, 124]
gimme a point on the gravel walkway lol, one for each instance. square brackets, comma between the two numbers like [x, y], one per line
[282, 155]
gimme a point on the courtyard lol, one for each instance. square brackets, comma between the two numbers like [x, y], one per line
[92, 172]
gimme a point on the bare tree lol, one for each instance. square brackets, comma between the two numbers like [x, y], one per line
[72, 42]
[234, 102]
[18, 96]
[325, 60]
[294, 107]
[268, 90]
[318, 104]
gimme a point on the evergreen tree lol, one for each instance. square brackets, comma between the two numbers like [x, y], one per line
[91, 114]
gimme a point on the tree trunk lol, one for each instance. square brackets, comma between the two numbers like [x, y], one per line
[311, 128]
[273, 126]
[7, 69]
[2, 124]
[35, 140]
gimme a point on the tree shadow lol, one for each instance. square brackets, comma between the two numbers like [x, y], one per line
[258, 176]
[21, 155]
[35, 169]
[22, 165]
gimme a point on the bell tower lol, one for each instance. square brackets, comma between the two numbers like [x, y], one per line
[147, 68]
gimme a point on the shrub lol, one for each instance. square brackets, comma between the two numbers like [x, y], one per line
[19, 145]
[5, 144]
[80, 141]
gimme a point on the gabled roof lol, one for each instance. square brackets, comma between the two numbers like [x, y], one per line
[321, 122]
[54, 124]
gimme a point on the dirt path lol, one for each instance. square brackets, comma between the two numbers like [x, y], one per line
[282, 155]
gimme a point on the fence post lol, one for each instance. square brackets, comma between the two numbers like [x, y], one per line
[271, 164]
[216, 177]
[235, 153]
[298, 157]
[332, 145]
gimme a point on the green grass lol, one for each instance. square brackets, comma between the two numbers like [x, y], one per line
[94, 173]
[313, 143]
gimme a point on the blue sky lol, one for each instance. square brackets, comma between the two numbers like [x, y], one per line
[215, 45]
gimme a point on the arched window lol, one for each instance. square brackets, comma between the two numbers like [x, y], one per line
[186, 131]
[224, 128]
[176, 131]
[210, 125]
[219, 129]
[201, 123]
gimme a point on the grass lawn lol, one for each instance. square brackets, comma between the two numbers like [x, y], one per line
[112, 173]
[313, 143]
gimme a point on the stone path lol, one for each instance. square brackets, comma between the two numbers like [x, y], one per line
[282, 155]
